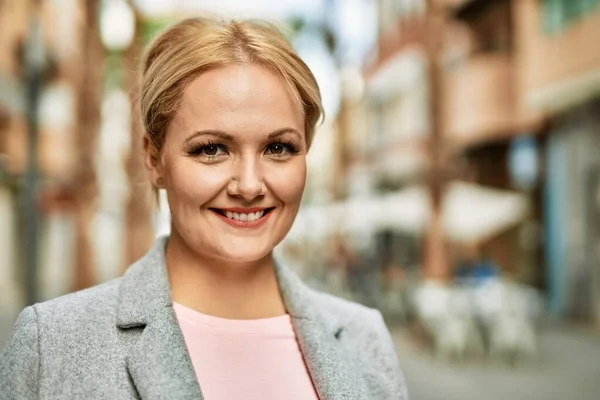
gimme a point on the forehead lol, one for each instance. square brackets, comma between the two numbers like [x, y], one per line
[239, 99]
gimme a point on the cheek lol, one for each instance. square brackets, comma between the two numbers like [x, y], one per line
[187, 179]
[288, 183]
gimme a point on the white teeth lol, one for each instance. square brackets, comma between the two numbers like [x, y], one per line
[245, 217]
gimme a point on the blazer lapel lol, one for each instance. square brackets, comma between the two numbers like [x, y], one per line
[159, 363]
[319, 334]
[158, 360]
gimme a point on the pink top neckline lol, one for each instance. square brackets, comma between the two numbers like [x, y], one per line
[279, 325]
[256, 359]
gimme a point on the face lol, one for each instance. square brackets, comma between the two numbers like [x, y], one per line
[233, 163]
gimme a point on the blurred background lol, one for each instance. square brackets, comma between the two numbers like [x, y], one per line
[454, 184]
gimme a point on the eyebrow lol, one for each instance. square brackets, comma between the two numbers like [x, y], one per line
[228, 137]
[210, 132]
[283, 131]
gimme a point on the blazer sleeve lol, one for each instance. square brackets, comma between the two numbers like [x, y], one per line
[387, 357]
[20, 359]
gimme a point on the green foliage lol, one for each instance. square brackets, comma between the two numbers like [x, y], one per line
[150, 27]
[113, 73]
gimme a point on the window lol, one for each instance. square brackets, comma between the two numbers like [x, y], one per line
[558, 14]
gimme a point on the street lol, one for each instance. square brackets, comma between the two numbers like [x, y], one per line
[568, 369]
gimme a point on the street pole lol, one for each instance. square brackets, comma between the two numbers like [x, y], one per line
[34, 62]
[89, 95]
[435, 261]
[139, 231]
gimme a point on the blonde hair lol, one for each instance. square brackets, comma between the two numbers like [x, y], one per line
[182, 52]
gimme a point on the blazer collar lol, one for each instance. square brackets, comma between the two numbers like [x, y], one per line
[160, 365]
[158, 362]
[320, 332]
[145, 288]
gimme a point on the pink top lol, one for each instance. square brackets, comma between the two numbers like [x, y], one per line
[245, 359]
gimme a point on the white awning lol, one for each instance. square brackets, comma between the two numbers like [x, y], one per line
[470, 213]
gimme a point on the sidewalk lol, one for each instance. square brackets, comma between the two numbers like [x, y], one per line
[568, 369]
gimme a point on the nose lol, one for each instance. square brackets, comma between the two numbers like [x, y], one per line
[247, 182]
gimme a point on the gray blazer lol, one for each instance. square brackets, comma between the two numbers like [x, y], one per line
[121, 340]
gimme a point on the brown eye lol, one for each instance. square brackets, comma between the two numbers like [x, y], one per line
[211, 150]
[281, 150]
[277, 149]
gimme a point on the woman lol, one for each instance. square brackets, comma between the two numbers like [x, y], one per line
[230, 112]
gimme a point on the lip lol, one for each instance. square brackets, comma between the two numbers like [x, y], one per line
[244, 210]
[244, 224]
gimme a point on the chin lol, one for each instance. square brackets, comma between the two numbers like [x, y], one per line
[230, 247]
[245, 254]
[245, 249]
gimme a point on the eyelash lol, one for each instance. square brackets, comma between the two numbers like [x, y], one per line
[290, 147]
[198, 149]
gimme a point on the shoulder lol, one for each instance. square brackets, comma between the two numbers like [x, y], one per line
[19, 359]
[366, 335]
[79, 327]
[351, 312]
[361, 324]
[91, 305]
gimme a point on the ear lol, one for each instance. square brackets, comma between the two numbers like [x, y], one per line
[152, 163]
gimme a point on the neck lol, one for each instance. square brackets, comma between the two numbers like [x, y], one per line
[222, 288]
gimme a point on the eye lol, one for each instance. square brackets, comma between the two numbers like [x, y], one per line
[276, 148]
[279, 149]
[209, 150]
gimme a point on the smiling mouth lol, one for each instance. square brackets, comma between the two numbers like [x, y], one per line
[243, 217]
